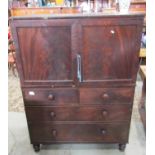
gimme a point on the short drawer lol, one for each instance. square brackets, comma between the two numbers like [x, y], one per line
[109, 95]
[50, 96]
[104, 113]
[77, 132]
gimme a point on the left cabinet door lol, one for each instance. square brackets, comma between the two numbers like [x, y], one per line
[44, 51]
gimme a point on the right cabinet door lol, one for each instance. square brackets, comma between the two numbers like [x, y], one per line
[108, 53]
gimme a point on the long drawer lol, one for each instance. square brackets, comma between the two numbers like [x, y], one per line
[55, 96]
[106, 95]
[57, 132]
[79, 113]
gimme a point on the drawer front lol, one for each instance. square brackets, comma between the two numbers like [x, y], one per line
[109, 95]
[50, 96]
[50, 132]
[75, 113]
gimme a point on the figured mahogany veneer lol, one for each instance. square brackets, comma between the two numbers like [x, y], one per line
[77, 132]
[51, 96]
[107, 95]
[78, 75]
[79, 113]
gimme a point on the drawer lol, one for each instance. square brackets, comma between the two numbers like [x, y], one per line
[50, 96]
[109, 95]
[75, 113]
[77, 132]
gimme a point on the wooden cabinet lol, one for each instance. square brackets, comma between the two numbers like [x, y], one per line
[78, 75]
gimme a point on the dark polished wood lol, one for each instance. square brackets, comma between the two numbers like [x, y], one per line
[104, 113]
[47, 62]
[78, 75]
[74, 33]
[56, 96]
[78, 132]
[107, 95]
[104, 61]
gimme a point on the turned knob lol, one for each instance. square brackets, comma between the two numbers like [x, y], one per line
[103, 132]
[51, 97]
[52, 114]
[54, 133]
[105, 96]
[104, 113]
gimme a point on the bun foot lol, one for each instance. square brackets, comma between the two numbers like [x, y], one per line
[122, 147]
[36, 147]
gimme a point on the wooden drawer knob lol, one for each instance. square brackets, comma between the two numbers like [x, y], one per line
[51, 97]
[104, 113]
[105, 96]
[52, 114]
[54, 133]
[103, 132]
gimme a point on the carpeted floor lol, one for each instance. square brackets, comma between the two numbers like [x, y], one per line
[15, 99]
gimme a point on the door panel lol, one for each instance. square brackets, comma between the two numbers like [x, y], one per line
[106, 54]
[46, 53]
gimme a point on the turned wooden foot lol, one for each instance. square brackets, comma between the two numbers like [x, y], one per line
[36, 147]
[122, 147]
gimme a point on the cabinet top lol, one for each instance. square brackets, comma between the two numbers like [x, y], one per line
[79, 15]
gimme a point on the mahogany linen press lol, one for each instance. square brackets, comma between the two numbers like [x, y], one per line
[77, 75]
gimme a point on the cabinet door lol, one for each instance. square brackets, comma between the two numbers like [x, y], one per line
[108, 53]
[45, 51]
